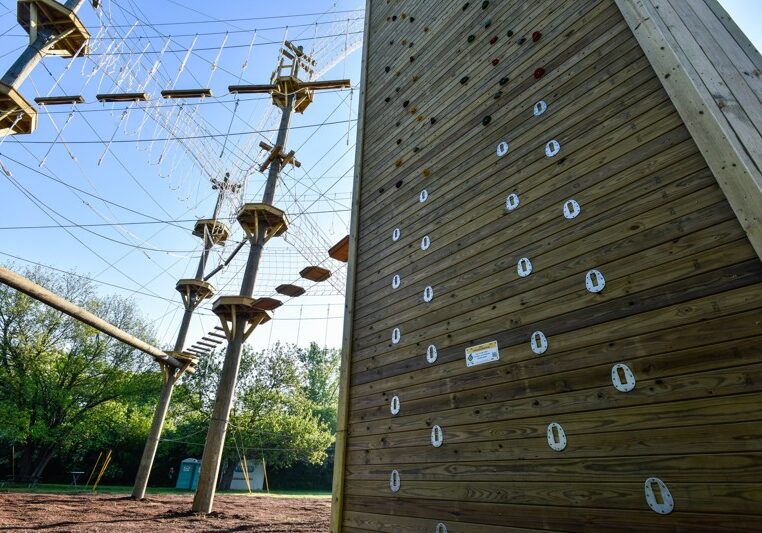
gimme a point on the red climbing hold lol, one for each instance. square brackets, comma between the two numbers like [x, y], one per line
[536, 36]
[539, 73]
[495, 62]
[493, 40]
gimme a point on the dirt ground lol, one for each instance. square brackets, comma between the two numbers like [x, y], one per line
[87, 512]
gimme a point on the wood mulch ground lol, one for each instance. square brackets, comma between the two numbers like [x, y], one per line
[88, 512]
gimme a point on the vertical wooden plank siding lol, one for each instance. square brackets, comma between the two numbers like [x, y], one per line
[340, 446]
[497, 135]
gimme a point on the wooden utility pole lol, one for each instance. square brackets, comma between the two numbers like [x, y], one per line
[261, 221]
[193, 291]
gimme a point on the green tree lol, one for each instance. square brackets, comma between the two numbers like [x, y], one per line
[60, 377]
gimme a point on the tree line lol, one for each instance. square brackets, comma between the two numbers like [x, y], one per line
[69, 392]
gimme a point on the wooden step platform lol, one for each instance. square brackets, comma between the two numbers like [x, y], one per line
[315, 273]
[218, 230]
[60, 100]
[63, 21]
[194, 290]
[239, 311]
[252, 215]
[340, 250]
[290, 290]
[11, 105]
[171, 94]
[267, 304]
[122, 97]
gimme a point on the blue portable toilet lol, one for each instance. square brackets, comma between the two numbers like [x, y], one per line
[188, 476]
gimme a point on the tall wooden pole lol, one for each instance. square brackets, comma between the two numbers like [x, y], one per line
[215, 438]
[170, 375]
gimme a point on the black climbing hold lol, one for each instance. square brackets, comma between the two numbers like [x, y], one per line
[433, 120]
[398, 184]
[485, 4]
[510, 33]
[412, 19]
[399, 141]
[416, 149]
[387, 99]
[471, 38]
[394, 17]
[391, 42]
[397, 89]
[503, 81]
[405, 103]
[498, 94]
[488, 23]
[464, 80]
[398, 124]
[387, 69]
[410, 45]
[412, 59]
[381, 190]
[465, 6]
[536, 36]
[522, 40]
[486, 120]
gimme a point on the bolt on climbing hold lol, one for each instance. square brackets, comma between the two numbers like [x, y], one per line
[485, 4]
[536, 36]
[539, 73]
[465, 6]
[522, 40]
[510, 33]
[495, 62]
[405, 103]
[387, 69]
[464, 80]
[493, 40]
[497, 95]
[503, 81]
[487, 22]
[486, 120]
[471, 38]
[433, 120]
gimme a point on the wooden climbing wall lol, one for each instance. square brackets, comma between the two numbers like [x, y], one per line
[526, 182]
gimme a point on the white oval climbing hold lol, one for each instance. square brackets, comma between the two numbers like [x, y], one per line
[524, 267]
[395, 405]
[431, 353]
[658, 497]
[556, 436]
[425, 242]
[396, 335]
[512, 202]
[622, 377]
[396, 234]
[552, 148]
[428, 294]
[540, 108]
[396, 281]
[571, 209]
[437, 436]
[395, 481]
[441, 528]
[502, 148]
[539, 342]
[423, 196]
[594, 281]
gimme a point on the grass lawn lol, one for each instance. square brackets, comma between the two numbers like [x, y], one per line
[51, 488]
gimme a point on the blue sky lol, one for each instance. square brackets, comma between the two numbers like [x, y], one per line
[159, 180]
[127, 172]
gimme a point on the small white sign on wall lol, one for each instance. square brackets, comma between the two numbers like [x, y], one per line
[482, 353]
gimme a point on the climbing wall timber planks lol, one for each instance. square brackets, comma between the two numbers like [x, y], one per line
[525, 179]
